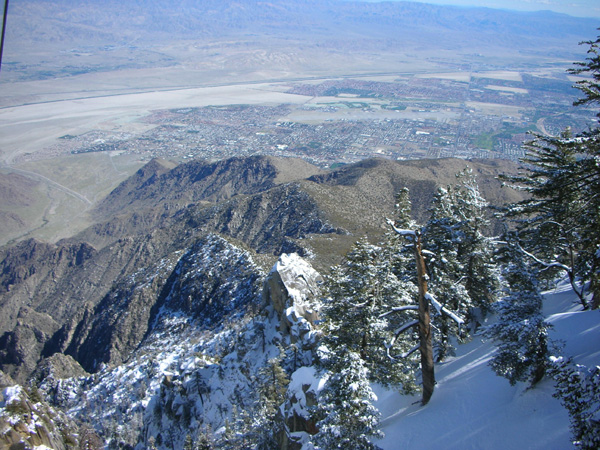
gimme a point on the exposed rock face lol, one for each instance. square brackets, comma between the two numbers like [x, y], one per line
[57, 367]
[200, 283]
[196, 181]
[94, 296]
[48, 289]
[16, 192]
[6, 380]
[21, 347]
[28, 422]
[31, 270]
[292, 287]
[301, 396]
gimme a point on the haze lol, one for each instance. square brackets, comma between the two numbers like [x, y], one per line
[580, 8]
[91, 91]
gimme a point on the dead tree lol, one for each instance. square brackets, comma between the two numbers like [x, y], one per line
[424, 321]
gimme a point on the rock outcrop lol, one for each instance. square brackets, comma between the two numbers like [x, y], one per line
[28, 422]
[292, 288]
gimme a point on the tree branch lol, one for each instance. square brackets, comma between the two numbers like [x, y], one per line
[401, 232]
[402, 355]
[400, 309]
[443, 310]
[404, 327]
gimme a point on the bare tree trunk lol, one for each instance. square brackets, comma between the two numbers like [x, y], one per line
[595, 288]
[425, 341]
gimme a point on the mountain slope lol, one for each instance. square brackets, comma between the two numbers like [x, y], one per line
[329, 18]
[161, 182]
[178, 319]
[55, 298]
[472, 408]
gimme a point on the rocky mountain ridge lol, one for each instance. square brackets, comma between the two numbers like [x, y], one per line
[166, 306]
[106, 284]
[323, 18]
[197, 365]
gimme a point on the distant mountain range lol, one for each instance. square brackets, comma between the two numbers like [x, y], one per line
[187, 19]
[44, 36]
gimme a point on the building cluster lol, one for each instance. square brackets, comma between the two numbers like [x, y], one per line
[436, 118]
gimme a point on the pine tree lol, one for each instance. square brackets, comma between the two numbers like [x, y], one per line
[417, 313]
[481, 276]
[359, 294]
[520, 332]
[560, 221]
[442, 236]
[345, 415]
[548, 221]
[188, 443]
[460, 260]
[204, 439]
[578, 389]
[272, 386]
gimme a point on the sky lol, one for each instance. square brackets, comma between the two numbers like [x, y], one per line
[578, 8]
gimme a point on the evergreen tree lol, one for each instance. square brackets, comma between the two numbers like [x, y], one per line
[272, 386]
[188, 443]
[578, 389]
[560, 221]
[403, 209]
[481, 276]
[360, 292]
[520, 332]
[204, 439]
[442, 236]
[345, 415]
[549, 220]
[417, 313]
[460, 261]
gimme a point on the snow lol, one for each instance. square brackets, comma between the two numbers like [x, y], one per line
[472, 408]
[400, 231]
[301, 282]
[11, 394]
[442, 309]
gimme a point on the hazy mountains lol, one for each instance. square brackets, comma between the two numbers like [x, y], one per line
[115, 21]
[48, 39]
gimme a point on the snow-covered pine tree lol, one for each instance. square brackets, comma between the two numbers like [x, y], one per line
[520, 332]
[403, 209]
[416, 314]
[588, 174]
[402, 314]
[204, 439]
[442, 236]
[272, 385]
[359, 293]
[560, 220]
[345, 415]
[578, 389]
[548, 221]
[481, 274]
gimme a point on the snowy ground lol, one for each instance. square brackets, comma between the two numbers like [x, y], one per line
[472, 408]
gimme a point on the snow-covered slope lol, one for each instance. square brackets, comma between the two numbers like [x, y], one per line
[472, 408]
[199, 371]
